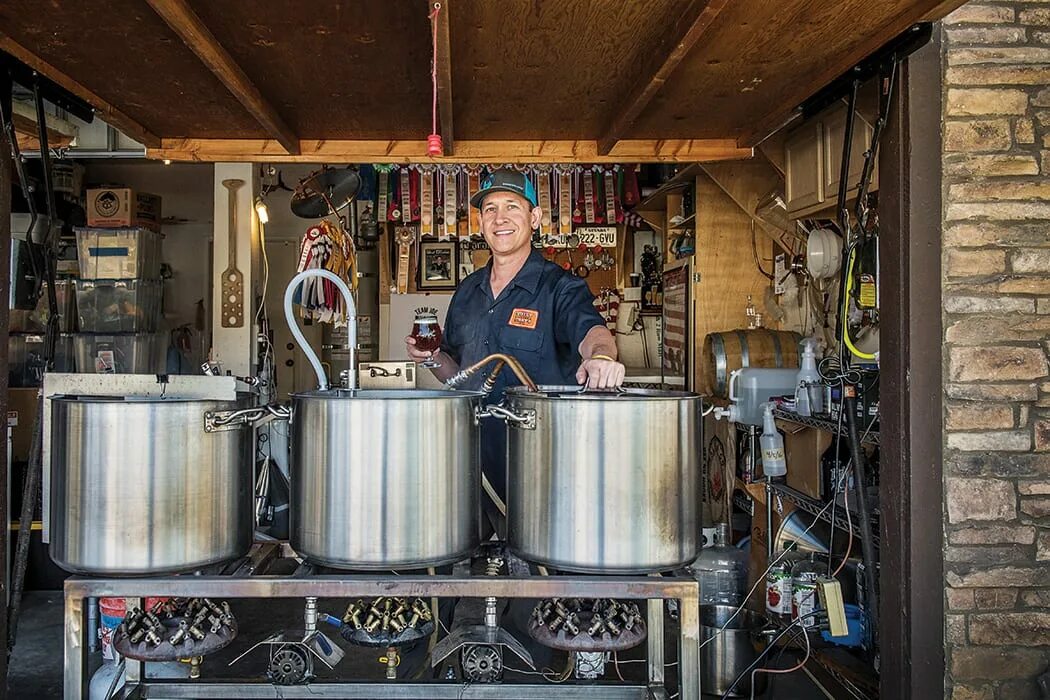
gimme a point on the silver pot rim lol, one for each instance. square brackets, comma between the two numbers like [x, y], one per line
[552, 392]
[385, 394]
[137, 400]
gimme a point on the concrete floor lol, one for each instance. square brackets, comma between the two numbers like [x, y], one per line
[36, 665]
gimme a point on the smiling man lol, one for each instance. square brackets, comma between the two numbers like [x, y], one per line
[525, 306]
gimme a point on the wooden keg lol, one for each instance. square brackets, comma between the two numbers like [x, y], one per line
[730, 350]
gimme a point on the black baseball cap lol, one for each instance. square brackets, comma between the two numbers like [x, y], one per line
[505, 180]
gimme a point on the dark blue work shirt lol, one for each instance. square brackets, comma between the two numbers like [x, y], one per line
[540, 319]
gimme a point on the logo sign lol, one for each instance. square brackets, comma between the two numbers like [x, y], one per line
[107, 203]
[524, 318]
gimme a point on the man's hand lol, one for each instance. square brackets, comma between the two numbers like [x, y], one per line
[416, 356]
[600, 374]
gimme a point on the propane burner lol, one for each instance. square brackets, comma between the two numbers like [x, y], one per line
[175, 629]
[386, 622]
[583, 624]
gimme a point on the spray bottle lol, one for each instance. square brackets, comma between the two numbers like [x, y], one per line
[809, 394]
[773, 462]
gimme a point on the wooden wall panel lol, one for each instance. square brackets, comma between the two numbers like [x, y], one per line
[723, 261]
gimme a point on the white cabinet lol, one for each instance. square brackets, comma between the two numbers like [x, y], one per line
[813, 159]
[804, 167]
[834, 135]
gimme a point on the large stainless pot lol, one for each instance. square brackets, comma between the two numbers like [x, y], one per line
[384, 479]
[604, 482]
[730, 637]
[138, 487]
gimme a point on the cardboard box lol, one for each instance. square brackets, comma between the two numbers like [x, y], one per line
[803, 448]
[122, 207]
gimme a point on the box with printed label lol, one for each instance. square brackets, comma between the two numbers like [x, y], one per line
[122, 207]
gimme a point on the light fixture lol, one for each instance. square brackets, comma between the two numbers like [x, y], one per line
[167, 161]
[262, 211]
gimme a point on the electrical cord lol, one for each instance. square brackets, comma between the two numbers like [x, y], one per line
[845, 308]
[758, 658]
[754, 253]
[762, 579]
[547, 672]
[778, 671]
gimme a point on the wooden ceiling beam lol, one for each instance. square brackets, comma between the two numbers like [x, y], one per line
[103, 109]
[188, 26]
[808, 86]
[60, 133]
[444, 75]
[363, 151]
[695, 20]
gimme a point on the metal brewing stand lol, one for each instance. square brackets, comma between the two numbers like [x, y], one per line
[250, 581]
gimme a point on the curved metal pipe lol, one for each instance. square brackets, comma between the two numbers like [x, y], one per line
[505, 360]
[297, 333]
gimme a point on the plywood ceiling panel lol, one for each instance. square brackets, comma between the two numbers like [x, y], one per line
[536, 71]
[129, 57]
[559, 68]
[334, 70]
[761, 57]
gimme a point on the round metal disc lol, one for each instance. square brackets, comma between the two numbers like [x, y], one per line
[289, 665]
[339, 187]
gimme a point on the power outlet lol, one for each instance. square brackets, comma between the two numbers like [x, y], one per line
[830, 592]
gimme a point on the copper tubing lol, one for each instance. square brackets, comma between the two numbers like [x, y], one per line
[514, 365]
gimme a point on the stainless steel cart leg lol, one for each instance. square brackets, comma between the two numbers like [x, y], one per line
[75, 650]
[689, 646]
[134, 671]
[655, 641]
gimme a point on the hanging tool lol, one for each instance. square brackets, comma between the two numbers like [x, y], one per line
[47, 259]
[232, 279]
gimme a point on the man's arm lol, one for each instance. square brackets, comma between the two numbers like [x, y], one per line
[599, 369]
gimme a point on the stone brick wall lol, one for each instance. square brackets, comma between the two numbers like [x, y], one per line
[996, 283]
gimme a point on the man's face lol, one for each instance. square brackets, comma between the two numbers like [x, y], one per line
[507, 222]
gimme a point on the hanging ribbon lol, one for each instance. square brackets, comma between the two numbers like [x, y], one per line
[426, 218]
[450, 217]
[609, 178]
[383, 186]
[564, 201]
[589, 200]
[473, 185]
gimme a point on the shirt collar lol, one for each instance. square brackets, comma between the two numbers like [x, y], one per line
[528, 276]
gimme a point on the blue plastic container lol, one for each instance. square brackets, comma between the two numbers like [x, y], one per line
[854, 624]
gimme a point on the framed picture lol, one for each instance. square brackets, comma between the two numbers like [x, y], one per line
[437, 265]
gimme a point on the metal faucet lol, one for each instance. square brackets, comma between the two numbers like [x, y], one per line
[350, 381]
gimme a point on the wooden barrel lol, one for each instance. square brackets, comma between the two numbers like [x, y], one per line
[730, 350]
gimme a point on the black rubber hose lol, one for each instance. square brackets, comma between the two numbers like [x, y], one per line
[867, 543]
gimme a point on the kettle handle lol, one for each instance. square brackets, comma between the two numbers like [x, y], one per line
[526, 419]
[297, 333]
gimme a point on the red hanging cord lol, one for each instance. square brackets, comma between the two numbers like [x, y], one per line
[434, 145]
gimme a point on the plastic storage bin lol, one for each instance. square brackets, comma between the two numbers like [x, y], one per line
[35, 321]
[125, 253]
[25, 358]
[119, 306]
[131, 353]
